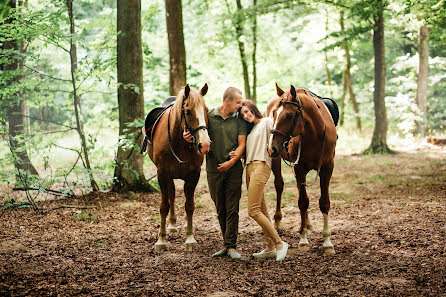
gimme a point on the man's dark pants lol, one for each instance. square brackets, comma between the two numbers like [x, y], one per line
[226, 190]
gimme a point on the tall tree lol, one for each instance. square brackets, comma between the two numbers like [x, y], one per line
[422, 79]
[16, 105]
[76, 98]
[237, 21]
[177, 51]
[379, 138]
[129, 174]
[254, 52]
[347, 81]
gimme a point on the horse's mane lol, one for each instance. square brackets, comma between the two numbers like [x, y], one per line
[194, 99]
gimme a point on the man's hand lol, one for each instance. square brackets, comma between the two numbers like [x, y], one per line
[187, 136]
[225, 166]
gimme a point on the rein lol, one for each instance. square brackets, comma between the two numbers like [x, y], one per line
[192, 131]
[289, 136]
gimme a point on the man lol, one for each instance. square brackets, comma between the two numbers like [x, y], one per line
[224, 174]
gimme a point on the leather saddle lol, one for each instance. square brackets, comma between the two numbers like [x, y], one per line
[329, 103]
[152, 120]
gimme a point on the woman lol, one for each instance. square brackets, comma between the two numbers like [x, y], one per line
[258, 170]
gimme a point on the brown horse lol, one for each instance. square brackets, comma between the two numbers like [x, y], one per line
[303, 133]
[177, 159]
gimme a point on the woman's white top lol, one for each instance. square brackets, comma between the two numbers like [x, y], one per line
[257, 142]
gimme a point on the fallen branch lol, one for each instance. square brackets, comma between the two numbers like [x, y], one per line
[52, 192]
[70, 206]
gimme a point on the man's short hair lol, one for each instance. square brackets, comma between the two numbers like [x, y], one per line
[230, 93]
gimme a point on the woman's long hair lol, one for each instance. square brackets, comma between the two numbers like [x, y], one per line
[253, 108]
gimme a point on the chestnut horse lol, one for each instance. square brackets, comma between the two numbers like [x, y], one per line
[177, 159]
[303, 133]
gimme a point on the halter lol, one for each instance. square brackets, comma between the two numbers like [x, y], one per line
[289, 136]
[192, 131]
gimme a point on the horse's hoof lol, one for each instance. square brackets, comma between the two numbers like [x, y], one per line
[277, 225]
[190, 247]
[160, 246]
[329, 251]
[303, 247]
[172, 229]
[190, 244]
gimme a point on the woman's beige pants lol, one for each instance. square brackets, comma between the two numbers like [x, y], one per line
[257, 174]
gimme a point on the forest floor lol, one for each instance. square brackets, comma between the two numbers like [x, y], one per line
[387, 218]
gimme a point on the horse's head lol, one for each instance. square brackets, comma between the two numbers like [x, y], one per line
[288, 120]
[191, 107]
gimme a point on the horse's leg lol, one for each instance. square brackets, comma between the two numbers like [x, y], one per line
[189, 190]
[303, 207]
[324, 205]
[276, 167]
[165, 184]
[172, 226]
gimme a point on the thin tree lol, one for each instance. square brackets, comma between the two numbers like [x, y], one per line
[16, 109]
[177, 51]
[347, 81]
[129, 174]
[379, 138]
[254, 52]
[76, 98]
[422, 79]
[237, 20]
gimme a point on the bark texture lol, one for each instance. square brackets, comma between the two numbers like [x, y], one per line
[422, 79]
[177, 51]
[379, 138]
[129, 173]
[17, 110]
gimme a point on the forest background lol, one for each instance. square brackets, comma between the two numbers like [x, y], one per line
[66, 116]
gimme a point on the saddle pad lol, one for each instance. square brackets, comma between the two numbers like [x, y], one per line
[152, 118]
[333, 108]
[329, 103]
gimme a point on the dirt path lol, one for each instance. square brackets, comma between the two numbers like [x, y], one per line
[388, 222]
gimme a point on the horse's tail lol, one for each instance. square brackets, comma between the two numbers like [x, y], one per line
[145, 141]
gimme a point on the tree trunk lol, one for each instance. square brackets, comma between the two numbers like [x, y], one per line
[177, 51]
[326, 61]
[422, 80]
[76, 98]
[254, 52]
[379, 138]
[238, 25]
[129, 174]
[16, 119]
[347, 81]
[342, 103]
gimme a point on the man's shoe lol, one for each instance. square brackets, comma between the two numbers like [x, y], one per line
[265, 255]
[234, 254]
[220, 253]
[281, 254]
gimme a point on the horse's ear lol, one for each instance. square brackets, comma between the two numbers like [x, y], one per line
[204, 89]
[279, 90]
[293, 92]
[186, 91]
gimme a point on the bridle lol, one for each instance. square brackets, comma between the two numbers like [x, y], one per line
[192, 131]
[289, 136]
